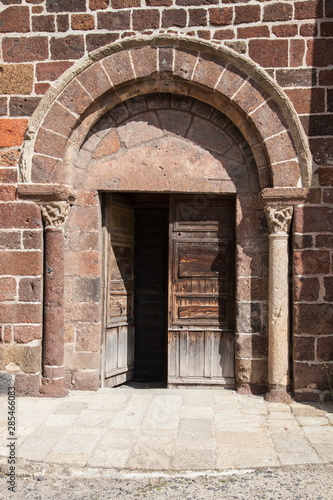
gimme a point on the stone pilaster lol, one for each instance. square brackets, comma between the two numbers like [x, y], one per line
[279, 218]
[54, 216]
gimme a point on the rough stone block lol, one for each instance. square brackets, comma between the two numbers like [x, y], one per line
[312, 262]
[313, 319]
[23, 106]
[27, 333]
[27, 385]
[27, 358]
[86, 290]
[119, 68]
[66, 5]
[86, 381]
[22, 49]
[88, 337]
[12, 131]
[309, 376]
[30, 290]
[306, 289]
[269, 53]
[15, 19]
[16, 79]
[6, 381]
[68, 47]
[144, 61]
[303, 348]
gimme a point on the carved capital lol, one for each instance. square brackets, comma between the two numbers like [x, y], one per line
[279, 218]
[55, 213]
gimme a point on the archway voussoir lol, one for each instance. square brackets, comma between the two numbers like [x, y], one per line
[47, 170]
[50, 144]
[165, 58]
[75, 98]
[208, 71]
[231, 80]
[250, 96]
[286, 174]
[119, 68]
[95, 80]
[59, 120]
[145, 61]
[184, 64]
[267, 120]
[280, 148]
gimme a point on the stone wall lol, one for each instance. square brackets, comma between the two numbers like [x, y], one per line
[291, 40]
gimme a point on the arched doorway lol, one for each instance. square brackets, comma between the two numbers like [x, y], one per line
[51, 161]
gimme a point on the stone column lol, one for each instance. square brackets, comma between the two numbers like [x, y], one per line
[54, 216]
[279, 218]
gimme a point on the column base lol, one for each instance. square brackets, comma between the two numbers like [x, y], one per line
[278, 394]
[53, 388]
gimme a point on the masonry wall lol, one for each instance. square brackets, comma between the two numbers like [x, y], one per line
[291, 40]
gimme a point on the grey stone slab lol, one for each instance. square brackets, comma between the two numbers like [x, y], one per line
[70, 408]
[74, 442]
[151, 452]
[129, 418]
[39, 443]
[195, 429]
[233, 457]
[321, 434]
[112, 401]
[291, 443]
[241, 439]
[309, 420]
[324, 450]
[193, 459]
[296, 458]
[95, 418]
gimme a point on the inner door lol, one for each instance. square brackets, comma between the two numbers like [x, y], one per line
[119, 340]
[201, 291]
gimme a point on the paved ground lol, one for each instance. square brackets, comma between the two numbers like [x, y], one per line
[168, 430]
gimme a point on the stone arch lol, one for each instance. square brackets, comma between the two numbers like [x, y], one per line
[215, 75]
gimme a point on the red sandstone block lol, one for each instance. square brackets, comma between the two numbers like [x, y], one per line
[7, 334]
[281, 148]
[328, 284]
[268, 120]
[119, 68]
[68, 47]
[43, 23]
[285, 30]
[296, 77]
[247, 14]
[30, 290]
[12, 132]
[84, 241]
[328, 196]
[220, 16]
[312, 262]
[231, 81]
[34, 48]
[325, 175]
[125, 4]
[82, 263]
[114, 20]
[307, 100]
[315, 319]
[328, 8]
[62, 22]
[225, 34]
[9, 158]
[66, 5]
[75, 98]
[41, 88]
[250, 96]
[207, 72]
[184, 63]
[269, 53]
[303, 348]
[196, 2]
[15, 19]
[326, 29]
[174, 17]
[144, 19]
[144, 61]
[7, 193]
[326, 77]
[253, 32]
[306, 289]
[95, 80]
[49, 143]
[204, 34]
[296, 52]
[278, 11]
[8, 175]
[27, 384]
[47, 170]
[16, 263]
[98, 4]
[311, 9]
[82, 22]
[94, 41]
[7, 288]
[37, 9]
[60, 120]
[308, 374]
[324, 241]
[317, 125]
[23, 106]
[84, 217]
[320, 52]
[197, 17]
[21, 313]
[308, 29]
[32, 240]
[314, 219]
[86, 381]
[11, 240]
[83, 312]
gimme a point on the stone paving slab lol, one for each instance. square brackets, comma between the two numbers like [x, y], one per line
[169, 430]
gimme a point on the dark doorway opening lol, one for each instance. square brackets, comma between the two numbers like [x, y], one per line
[150, 285]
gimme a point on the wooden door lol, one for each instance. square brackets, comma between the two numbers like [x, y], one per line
[119, 335]
[201, 291]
